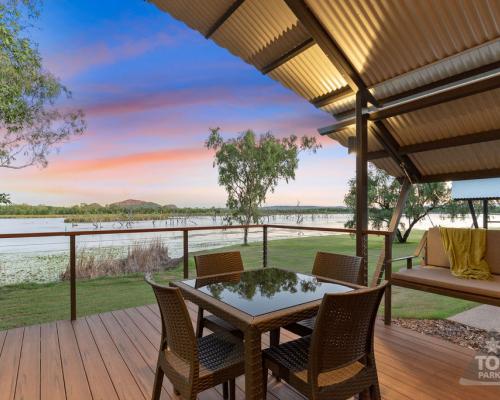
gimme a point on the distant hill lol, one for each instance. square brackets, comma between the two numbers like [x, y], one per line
[131, 203]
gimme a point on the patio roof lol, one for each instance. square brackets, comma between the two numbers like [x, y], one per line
[431, 72]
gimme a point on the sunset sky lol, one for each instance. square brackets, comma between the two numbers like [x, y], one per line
[151, 88]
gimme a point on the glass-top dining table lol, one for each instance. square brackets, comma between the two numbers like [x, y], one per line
[258, 301]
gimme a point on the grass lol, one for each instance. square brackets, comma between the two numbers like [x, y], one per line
[37, 303]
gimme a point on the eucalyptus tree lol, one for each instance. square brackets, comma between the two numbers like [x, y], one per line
[30, 122]
[251, 166]
[383, 193]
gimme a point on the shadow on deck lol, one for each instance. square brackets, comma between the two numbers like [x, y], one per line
[113, 356]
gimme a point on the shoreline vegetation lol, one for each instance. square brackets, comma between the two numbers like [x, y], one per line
[139, 210]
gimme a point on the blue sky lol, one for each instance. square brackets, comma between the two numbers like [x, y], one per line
[151, 88]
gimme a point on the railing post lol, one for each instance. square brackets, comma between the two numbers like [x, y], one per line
[72, 275]
[388, 276]
[186, 253]
[264, 246]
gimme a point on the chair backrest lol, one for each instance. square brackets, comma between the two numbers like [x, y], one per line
[343, 333]
[177, 327]
[218, 263]
[337, 266]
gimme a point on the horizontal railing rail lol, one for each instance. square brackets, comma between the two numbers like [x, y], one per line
[185, 233]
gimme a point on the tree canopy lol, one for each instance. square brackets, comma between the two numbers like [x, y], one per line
[383, 193]
[30, 123]
[251, 167]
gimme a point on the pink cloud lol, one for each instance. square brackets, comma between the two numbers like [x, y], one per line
[76, 60]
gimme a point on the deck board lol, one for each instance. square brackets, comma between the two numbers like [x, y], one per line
[9, 363]
[51, 373]
[112, 356]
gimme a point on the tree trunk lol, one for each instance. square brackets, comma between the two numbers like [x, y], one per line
[245, 237]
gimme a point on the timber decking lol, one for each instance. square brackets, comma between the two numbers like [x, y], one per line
[112, 356]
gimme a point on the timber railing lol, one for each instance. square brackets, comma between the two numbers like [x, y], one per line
[185, 234]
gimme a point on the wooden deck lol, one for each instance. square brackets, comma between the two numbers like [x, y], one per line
[111, 356]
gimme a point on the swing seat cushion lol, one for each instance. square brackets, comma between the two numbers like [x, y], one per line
[439, 277]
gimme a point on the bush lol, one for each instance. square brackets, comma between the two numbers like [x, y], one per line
[141, 257]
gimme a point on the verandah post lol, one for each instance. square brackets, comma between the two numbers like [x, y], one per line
[264, 246]
[185, 257]
[362, 183]
[388, 274]
[72, 275]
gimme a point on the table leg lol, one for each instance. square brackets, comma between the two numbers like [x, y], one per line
[253, 364]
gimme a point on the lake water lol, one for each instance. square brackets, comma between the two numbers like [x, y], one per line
[43, 259]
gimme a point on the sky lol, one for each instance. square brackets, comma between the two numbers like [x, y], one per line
[151, 88]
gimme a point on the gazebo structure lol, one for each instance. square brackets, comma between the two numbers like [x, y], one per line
[414, 86]
[483, 190]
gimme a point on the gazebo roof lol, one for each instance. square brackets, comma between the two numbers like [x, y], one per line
[477, 189]
[431, 72]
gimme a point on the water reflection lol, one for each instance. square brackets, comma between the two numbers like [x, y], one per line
[263, 282]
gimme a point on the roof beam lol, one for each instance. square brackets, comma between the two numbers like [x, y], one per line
[473, 138]
[442, 82]
[392, 148]
[329, 47]
[223, 18]
[463, 175]
[288, 56]
[432, 85]
[333, 96]
[441, 95]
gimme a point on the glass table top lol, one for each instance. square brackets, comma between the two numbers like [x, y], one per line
[265, 290]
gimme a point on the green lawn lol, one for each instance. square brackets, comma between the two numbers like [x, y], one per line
[36, 303]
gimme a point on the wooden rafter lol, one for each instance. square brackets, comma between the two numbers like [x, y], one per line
[329, 47]
[392, 148]
[473, 138]
[223, 18]
[462, 175]
[288, 56]
[332, 97]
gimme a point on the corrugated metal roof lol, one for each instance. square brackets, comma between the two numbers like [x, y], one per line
[473, 157]
[476, 189]
[310, 74]
[253, 26]
[395, 45]
[384, 39]
[197, 14]
[477, 113]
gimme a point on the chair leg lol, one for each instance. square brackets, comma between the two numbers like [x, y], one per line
[158, 383]
[388, 305]
[225, 395]
[274, 340]
[199, 323]
[232, 389]
[274, 337]
[265, 374]
[375, 392]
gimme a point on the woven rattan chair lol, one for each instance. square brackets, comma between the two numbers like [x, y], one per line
[332, 266]
[192, 364]
[337, 361]
[213, 264]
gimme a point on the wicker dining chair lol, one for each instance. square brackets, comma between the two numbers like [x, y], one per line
[337, 361]
[192, 364]
[332, 266]
[213, 264]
